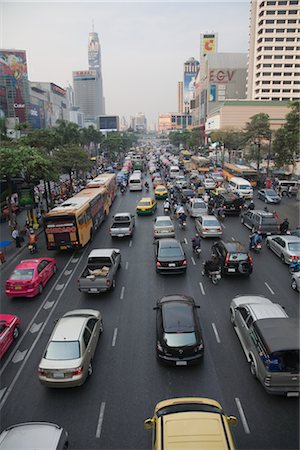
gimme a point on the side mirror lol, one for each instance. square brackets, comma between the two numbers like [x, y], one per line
[197, 306]
[148, 424]
[155, 308]
[232, 420]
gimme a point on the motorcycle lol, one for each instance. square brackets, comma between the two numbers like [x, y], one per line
[294, 267]
[256, 247]
[182, 224]
[215, 276]
[166, 210]
[197, 251]
[32, 248]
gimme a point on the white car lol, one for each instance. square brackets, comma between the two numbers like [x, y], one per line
[209, 183]
[295, 283]
[196, 207]
[287, 247]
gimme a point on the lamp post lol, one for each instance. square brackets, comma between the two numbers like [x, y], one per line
[269, 154]
[257, 142]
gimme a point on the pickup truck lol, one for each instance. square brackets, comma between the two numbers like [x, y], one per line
[123, 225]
[100, 271]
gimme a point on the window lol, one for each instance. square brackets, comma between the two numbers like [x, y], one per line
[292, 11]
[279, 39]
[289, 48]
[275, 90]
[281, 12]
[91, 324]
[267, 56]
[269, 30]
[278, 56]
[292, 21]
[244, 313]
[267, 65]
[269, 48]
[266, 74]
[271, 3]
[287, 82]
[282, 3]
[280, 30]
[270, 13]
[291, 30]
[280, 21]
[278, 48]
[291, 57]
[268, 39]
[277, 74]
[86, 336]
[288, 65]
[288, 39]
[294, 2]
[270, 21]
[265, 90]
[265, 82]
[287, 74]
[276, 82]
[277, 65]
[285, 90]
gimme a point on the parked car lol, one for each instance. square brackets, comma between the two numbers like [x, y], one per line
[286, 247]
[34, 435]
[262, 221]
[169, 256]
[209, 183]
[9, 331]
[185, 194]
[145, 206]
[190, 422]
[30, 277]
[68, 358]
[163, 227]
[295, 282]
[208, 226]
[270, 340]
[178, 333]
[233, 257]
[196, 207]
[268, 196]
[161, 192]
[231, 203]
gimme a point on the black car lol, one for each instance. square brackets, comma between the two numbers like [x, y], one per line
[185, 194]
[169, 256]
[258, 220]
[231, 203]
[178, 334]
[234, 258]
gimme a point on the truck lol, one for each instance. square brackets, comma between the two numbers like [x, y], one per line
[99, 275]
[122, 225]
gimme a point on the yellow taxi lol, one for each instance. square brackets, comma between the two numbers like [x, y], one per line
[161, 191]
[146, 205]
[190, 422]
[217, 191]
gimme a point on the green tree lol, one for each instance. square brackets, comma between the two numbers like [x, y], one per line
[44, 139]
[230, 138]
[286, 142]
[90, 137]
[258, 132]
[67, 132]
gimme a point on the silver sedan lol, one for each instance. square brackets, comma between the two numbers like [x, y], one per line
[287, 247]
[208, 226]
[163, 227]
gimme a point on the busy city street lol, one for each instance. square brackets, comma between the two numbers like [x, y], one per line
[109, 409]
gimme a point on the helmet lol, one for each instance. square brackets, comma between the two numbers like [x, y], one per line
[197, 235]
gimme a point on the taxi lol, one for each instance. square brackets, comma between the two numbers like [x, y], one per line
[189, 423]
[146, 205]
[217, 191]
[161, 191]
[30, 277]
[9, 331]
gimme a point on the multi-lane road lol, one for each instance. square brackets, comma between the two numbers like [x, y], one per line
[108, 411]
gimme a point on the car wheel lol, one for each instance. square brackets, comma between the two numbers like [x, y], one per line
[282, 258]
[16, 332]
[40, 288]
[253, 368]
[90, 369]
[294, 285]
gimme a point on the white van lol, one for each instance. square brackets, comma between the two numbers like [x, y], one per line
[174, 171]
[241, 187]
[135, 182]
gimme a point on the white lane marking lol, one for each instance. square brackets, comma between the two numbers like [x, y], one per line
[2, 392]
[193, 261]
[202, 288]
[19, 356]
[122, 293]
[232, 239]
[114, 337]
[35, 327]
[216, 333]
[100, 420]
[74, 260]
[67, 272]
[270, 289]
[48, 305]
[242, 414]
[222, 225]
[185, 240]
[59, 287]
[9, 390]
[130, 243]
[126, 265]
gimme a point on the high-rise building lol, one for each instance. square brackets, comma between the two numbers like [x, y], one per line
[273, 59]
[87, 94]
[180, 97]
[94, 56]
[139, 122]
[191, 68]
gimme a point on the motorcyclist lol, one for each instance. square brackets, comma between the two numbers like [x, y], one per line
[167, 205]
[255, 239]
[179, 210]
[196, 241]
[32, 239]
[251, 205]
[147, 186]
[284, 226]
[211, 265]
[221, 212]
[182, 218]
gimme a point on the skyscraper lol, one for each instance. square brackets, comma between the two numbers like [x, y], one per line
[273, 60]
[191, 67]
[94, 57]
[180, 97]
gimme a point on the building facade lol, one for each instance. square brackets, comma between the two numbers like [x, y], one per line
[180, 97]
[173, 122]
[274, 50]
[87, 94]
[94, 57]
[191, 68]
[139, 122]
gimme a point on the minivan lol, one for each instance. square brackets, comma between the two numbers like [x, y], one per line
[284, 185]
[241, 187]
[174, 171]
[135, 182]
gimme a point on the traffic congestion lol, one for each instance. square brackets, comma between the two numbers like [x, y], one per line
[162, 296]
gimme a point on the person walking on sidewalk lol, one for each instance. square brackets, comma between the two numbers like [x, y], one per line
[16, 236]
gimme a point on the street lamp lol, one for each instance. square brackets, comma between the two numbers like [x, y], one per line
[257, 142]
[269, 154]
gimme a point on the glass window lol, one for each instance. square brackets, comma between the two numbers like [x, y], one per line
[289, 48]
[180, 339]
[86, 336]
[22, 274]
[91, 324]
[269, 30]
[291, 30]
[266, 74]
[280, 30]
[267, 39]
[279, 39]
[292, 21]
[58, 350]
[270, 21]
[292, 11]
[290, 39]
[282, 2]
[270, 13]
[278, 48]
[281, 12]
[280, 21]
[269, 48]
[278, 56]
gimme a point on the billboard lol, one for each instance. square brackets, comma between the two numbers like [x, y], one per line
[13, 70]
[188, 86]
[108, 122]
[208, 44]
[35, 116]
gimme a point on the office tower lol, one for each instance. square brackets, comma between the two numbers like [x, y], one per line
[191, 67]
[139, 122]
[273, 59]
[180, 97]
[94, 57]
[87, 93]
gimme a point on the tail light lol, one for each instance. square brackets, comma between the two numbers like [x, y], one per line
[158, 264]
[205, 229]
[219, 229]
[250, 260]
[183, 262]
[78, 371]
[294, 257]
[226, 259]
[41, 372]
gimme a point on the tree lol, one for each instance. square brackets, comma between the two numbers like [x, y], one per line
[91, 137]
[67, 132]
[286, 142]
[44, 139]
[258, 132]
[230, 138]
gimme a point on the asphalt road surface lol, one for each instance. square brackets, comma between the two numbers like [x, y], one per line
[108, 411]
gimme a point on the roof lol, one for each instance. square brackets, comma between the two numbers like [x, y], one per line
[234, 246]
[99, 252]
[70, 204]
[279, 334]
[68, 328]
[31, 435]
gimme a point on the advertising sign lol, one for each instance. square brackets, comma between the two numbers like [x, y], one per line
[35, 116]
[26, 197]
[213, 93]
[188, 86]
[208, 44]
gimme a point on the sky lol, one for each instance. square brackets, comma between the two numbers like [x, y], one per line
[144, 44]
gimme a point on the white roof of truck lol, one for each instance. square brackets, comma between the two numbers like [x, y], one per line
[105, 252]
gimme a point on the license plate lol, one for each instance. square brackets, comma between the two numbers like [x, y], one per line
[172, 265]
[292, 394]
[93, 290]
[63, 247]
[59, 375]
[120, 235]
[231, 270]
[18, 288]
[181, 363]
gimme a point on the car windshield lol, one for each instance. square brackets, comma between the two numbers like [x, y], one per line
[63, 350]
[210, 223]
[169, 252]
[269, 221]
[199, 205]
[160, 189]
[22, 274]
[180, 339]
[294, 246]
[244, 186]
[144, 204]
[163, 223]
[238, 256]
[270, 192]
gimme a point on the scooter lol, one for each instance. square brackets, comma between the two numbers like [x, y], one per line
[32, 248]
[257, 247]
[215, 276]
[182, 224]
[294, 267]
[197, 251]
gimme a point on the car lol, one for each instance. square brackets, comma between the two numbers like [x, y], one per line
[269, 196]
[287, 247]
[179, 339]
[217, 191]
[155, 175]
[295, 282]
[169, 256]
[217, 177]
[34, 435]
[161, 191]
[9, 331]
[258, 220]
[185, 194]
[270, 340]
[189, 423]
[145, 206]
[231, 203]
[156, 182]
[208, 183]
[233, 257]
[181, 182]
[296, 232]
[68, 358]
[30, 277]
[196, 207]
[163, 227]
[208, 226]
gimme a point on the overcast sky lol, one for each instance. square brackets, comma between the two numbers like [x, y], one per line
[144, 44]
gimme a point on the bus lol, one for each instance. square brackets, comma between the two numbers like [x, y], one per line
[201, 164]
[109, 182]
[238, 170]
[72, 224]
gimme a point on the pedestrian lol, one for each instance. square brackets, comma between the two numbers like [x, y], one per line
[16, 236]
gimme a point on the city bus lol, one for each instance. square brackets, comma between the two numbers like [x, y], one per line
[201, 164]
[72, 224]
[107, 181]
[238, 170]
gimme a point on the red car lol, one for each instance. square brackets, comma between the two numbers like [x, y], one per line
[29, 277]
[9, 331]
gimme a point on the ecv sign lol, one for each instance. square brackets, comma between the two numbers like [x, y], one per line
[221, 75]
